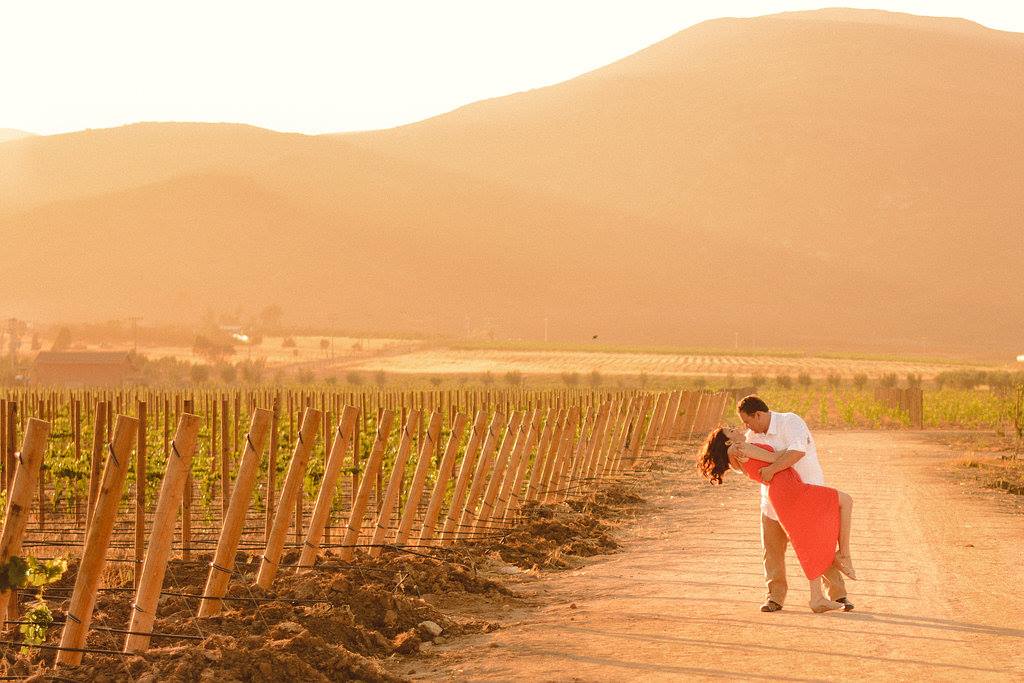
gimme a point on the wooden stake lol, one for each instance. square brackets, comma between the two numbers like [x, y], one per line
[373, 463]
[380, 532]
[94, 556]
[234, 521]
[501, 463]
[325, 497]
[98, 438]
[444, 471]
[480, 475]
[291, 490]
[465, 473]
[23, 482]
[427, 446]
[183, 447]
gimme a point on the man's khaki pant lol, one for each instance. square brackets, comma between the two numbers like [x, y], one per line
[774, 542]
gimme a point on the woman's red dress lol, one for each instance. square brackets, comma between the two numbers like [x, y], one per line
[808, 513]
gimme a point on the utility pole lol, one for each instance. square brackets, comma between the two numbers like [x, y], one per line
[135, 332]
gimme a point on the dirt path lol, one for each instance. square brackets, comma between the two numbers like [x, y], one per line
[936, 601]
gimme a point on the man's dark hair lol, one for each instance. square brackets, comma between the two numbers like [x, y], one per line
[749, 405]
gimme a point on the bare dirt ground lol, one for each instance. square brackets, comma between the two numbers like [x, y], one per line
[939, 561]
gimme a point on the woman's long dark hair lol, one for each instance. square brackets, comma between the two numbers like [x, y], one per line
[713, 460]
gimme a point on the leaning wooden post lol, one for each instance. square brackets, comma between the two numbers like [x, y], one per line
[98, 439]
[528, 433]
[563, 459]
[444, 472]
[539, 483]
[23, 483]
[501, 463]
[368, 481]
[465, 473]
[427, 445]
[291, 490]
[325, 497]
[140, 496]
[94, 556]
[480, 475]
[380, 532]
[183, 447]
[539, 460]
[224, 558]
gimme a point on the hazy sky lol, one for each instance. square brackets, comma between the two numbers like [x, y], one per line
[333, 66]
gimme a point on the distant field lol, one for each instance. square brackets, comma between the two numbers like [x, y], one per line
[474, 361]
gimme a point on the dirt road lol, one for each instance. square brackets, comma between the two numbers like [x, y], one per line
[938, 598]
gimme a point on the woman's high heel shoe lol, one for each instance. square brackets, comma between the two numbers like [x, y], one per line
[844, 564]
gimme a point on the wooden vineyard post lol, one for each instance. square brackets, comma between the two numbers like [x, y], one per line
[652, 424]
[225, 455]
[227, 545]
[444, 472]
[539, 460]
[596, 444]
[465, 473]
[512, 435]
[325, 497]
[563, 433]
[672, 410]
[186, 498]
[369, 478]
[528, 433]
[380, 532]
[572, 472]
[183, 447]
[622, 445]
[427, 445]
[290, 491]
[23, 482]
[94, 555]
[272, 469]
[140, 496]
[538, 489]
[480, 475]
[615, 439]
[98, 439]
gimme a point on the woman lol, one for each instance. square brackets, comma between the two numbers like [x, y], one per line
[816, 518]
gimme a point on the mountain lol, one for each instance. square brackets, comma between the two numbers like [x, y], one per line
[829, 179]
[8, 134]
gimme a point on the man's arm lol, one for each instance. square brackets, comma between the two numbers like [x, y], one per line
[783, 460]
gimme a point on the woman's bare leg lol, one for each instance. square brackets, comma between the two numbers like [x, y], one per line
[819, 603]
[843, 559]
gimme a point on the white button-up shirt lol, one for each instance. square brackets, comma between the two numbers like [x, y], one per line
[788, 432]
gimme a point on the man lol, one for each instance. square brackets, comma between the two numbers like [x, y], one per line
[787, 433]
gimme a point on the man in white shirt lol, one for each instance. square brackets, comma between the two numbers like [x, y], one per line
[788, 435]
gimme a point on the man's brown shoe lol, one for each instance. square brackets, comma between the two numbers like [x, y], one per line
[771, 606]
[847, 605]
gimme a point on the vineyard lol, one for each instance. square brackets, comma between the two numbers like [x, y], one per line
[139, 515]
[180, 517]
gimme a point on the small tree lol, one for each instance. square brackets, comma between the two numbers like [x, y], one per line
[199, 374]
[227, 373]
[570, 379]
[784, 381]
[380, 378]
[913, 380]
[804, 379]
[288, 343]
[63, 340]
[834, 380]
[514, 377]
[305, 376]
[758, 380]
[354, 378]
[435, 381]
[888, 380]
[860, 380]
[487, 378]
[595, 379]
